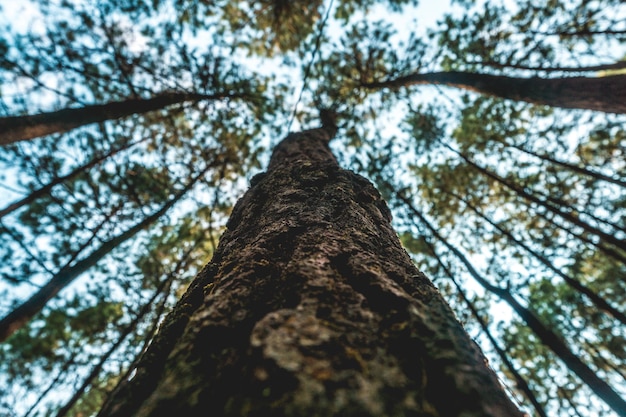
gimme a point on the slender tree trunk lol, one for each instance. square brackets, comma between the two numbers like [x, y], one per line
[310, 307]
[543, 333]
[44, 190]
[163, 290]
[569, 216]
[592, 68]
[33, 305]
[62, 373]
[18, 128]
[605, 94]
[520, 382]
[607, 250]
[595, 298]
[571, 167]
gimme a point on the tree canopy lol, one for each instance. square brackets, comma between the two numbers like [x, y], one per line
[495, 131]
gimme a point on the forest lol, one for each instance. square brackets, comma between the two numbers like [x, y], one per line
[494, 131]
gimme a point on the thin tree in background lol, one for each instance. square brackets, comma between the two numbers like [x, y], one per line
[24, 312]
[605, 94]
[19, 128]
[44, 190]
[546, 335]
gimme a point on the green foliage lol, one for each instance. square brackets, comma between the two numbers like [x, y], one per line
[568, 313]
[532, 34]
[91, 402]
[49, 338]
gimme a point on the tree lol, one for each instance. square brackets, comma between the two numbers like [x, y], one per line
[17, 128]
[549, 338]
[44, 190]
[311, 306]
[593, 93]
[21, 314]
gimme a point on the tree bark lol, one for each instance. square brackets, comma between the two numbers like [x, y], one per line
[605, 94]
[310, 306]
[18, 128]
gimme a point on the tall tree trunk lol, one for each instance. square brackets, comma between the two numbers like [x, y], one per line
[310, 306]
[592, 68]
[18, 128]
[44, 190]
[33, 305]
[595, 298]
[549, 338]
[605, 94]
[575, 168]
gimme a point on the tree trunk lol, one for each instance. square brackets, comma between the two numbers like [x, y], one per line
[18, 128]
[595, 298]
[569, 229]
[40, 192]
[162, 290]
[520, 382]
[311, 307]
[572, 167]
[545, 334]
[605, 94]
[36, 302]
[591, 68]
[570, 216]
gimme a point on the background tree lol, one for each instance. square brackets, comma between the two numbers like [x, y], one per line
[527, 194]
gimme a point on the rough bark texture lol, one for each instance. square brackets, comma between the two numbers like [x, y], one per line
[311, 307]
[604, 94]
